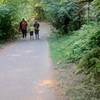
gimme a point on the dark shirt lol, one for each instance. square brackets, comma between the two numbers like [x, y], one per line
[36, 26]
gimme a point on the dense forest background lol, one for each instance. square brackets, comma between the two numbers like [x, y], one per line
[64, 15]
[75, 38]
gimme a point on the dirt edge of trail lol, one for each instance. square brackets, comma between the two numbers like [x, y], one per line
[67, 80]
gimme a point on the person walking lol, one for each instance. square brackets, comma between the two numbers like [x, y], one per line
[23, 28]
[31, 30]
[36, 29]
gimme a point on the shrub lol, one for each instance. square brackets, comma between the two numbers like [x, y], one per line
[39, 12]
[63, 16]
[74, 46]
[7, 30]
[95, 39]
[90, 65]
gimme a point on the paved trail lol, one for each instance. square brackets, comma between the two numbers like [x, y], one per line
[26, 71]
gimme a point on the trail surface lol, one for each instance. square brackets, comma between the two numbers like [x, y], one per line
[26, 72]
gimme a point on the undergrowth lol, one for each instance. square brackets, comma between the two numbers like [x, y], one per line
[83, 48]
[72, 47]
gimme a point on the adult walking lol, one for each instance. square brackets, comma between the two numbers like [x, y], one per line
[23, 28]
[36, 29]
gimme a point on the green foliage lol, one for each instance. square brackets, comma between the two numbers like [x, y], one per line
[39, 12]
[97, 4]
[6, 23]
[72, 47]
[11, 13]
[95, 39]
[90, 65]
[84, 45]
[63, 15]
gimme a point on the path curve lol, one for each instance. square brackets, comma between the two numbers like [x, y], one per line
[26, 72]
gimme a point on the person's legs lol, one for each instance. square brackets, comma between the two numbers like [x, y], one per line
[23, 33]
[37, 34]
[31, 34]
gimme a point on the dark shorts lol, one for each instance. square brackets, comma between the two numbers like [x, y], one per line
[31, 33]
